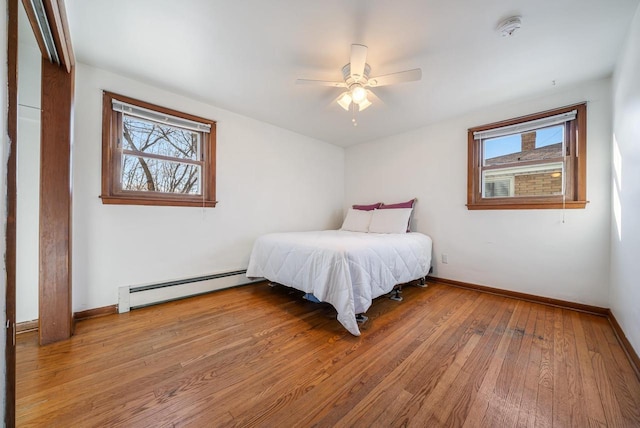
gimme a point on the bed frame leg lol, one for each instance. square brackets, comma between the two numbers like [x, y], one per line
[395, 294]
[422, 282]
[361, 318]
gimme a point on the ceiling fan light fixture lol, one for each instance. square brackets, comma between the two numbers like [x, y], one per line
[358, 94]
[345, 100]
[364, 104]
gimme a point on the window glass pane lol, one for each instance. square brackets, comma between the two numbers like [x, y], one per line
[498, 186]
[524, 164]
[541, 144]
[154, 175]
[527, 180]
[539, 183]
[154, 138]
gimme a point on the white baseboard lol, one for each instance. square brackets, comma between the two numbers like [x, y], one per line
[131, 297]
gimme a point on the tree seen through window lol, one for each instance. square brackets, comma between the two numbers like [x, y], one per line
[169, 173]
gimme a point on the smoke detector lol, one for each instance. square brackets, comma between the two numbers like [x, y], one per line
[509, 26]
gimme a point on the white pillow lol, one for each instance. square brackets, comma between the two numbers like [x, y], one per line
[357, 220]
[390, 221]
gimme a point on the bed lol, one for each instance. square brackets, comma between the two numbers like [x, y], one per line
[347, 269]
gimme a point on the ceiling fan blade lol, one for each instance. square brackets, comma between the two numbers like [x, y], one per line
[393, 78]
[321, 83]
[358, 61]
[373, 97]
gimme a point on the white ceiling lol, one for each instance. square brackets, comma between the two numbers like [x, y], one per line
[245, 55]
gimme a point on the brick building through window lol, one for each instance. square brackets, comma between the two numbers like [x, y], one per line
[526, 180]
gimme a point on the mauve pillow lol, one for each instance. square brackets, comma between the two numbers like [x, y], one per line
[408, 204]
[367, 207]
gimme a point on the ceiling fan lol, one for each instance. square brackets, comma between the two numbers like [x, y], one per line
[357, 80]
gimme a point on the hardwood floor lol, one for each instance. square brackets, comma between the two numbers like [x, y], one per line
[262, 356]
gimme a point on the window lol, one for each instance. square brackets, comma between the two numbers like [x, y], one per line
[156, 156]
[498, 186]
[537, 161]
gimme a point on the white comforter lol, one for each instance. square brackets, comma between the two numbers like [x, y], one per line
[346, 269]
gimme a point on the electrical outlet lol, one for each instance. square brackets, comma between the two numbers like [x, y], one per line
[445, 259]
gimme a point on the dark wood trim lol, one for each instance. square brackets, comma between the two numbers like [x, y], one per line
[55, 314]
[57, 17]
[124, 200]
[96, 312]
[624, 342]
[26, 326]
[155, 107]
[594, 310]
[10, 243]
[526, 118]
[581, 154]
[109, 127]
[211, 164]
[473, 184]
[576, 179]
[510, 205]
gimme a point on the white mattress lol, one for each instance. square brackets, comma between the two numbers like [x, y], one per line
[346, 269]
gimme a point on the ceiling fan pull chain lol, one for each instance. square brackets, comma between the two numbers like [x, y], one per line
[353, 118]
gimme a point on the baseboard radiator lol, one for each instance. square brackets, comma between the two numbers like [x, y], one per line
[133, 297]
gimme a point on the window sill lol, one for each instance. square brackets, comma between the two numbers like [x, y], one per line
[167, 202]
[510, 205]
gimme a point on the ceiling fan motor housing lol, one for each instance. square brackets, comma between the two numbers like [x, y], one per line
[349, 78]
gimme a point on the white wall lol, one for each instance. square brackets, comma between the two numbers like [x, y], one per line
[529, 251]
[268, 179]
[28, 176]
[625, 234]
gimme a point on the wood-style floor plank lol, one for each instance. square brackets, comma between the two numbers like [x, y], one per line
[594, 411]
[262, 356]
[410, 368]
[527, 413]
[476, 367]
[544, 401]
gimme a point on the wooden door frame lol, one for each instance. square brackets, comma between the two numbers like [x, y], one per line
[55, 314]
[10, 249]
[55, 191]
